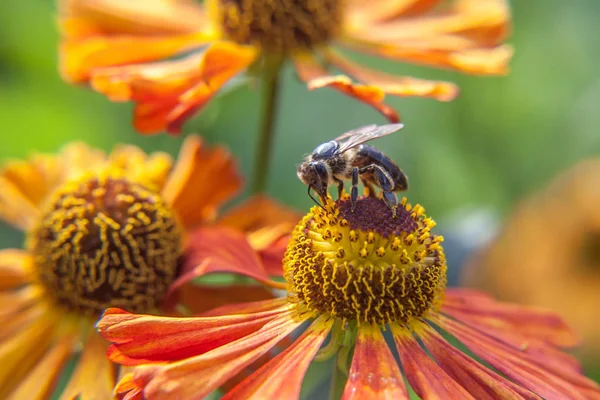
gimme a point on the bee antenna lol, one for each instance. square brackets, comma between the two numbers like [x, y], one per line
[313, 199]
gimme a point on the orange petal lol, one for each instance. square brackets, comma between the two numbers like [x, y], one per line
[481, 382]
[247, 308]
[138, 339]
[169, 92]
[310, 71]
[485, 22]
[217, 249]
[94, 376]
[21, 352]
[260, 212]
[16, 268]
[11, 323]
[198, 299]
[394, 85]
[198, 376]
[162, 81]
[374, 373]
[203, 179]
[221, 62]
[41, 380]
[127, 389]
[80, 18]
[360, 13]
[79, 58]
[282, 376]
[509, 318]
[426, 378]
[545, 380]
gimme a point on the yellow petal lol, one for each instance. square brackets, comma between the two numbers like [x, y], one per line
[15, 268]
[94, 376]
[22, 351]
[41, 380]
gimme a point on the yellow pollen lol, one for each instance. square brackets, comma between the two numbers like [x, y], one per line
[280, 26]
[365, 265]
[104, 241]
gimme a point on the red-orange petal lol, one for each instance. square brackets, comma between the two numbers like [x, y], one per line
[519, 366]
[139, 339]
[312, 72]
[202, 180]
[426, 378]
[394, 85]
[216, 249]
[167, 93]
[374, 373]
[198, 376]
[494, 316]
[199, 299]
[480, 381]
[281, 378]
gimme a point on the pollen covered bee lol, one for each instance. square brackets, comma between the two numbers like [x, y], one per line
[346, 157]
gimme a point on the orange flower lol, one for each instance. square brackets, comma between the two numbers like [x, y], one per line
[126, 49]
[552, 239]
[112, 231]
[352, 273]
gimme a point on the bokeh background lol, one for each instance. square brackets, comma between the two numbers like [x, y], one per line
[470, 162]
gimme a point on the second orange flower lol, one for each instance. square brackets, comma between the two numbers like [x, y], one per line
[171, 57]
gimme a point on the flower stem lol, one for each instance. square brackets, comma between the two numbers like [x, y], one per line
[339, 377]
[270, 95]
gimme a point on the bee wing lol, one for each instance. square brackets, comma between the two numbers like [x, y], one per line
[363, 134]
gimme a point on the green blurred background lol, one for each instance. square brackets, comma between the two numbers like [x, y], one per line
[503, 138]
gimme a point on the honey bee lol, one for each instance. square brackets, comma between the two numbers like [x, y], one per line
[346, 157]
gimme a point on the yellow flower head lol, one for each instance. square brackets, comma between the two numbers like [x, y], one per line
[366, 265]
[172, 57]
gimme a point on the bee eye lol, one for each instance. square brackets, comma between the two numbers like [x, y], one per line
[325, 150]
[322, 171]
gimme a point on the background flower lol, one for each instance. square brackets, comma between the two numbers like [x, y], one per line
[552, 239]
[115, 230]
[115, 45]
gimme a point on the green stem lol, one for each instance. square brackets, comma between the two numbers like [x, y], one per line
[339, 378]
[270, 95]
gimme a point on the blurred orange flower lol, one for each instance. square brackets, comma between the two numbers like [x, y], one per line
[117, 46]
[553, 240]
[353, 273]
[115, 230]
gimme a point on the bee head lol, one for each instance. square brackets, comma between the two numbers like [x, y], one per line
[315, 175]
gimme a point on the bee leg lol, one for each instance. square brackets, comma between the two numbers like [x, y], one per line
[354, 191]
[340, 186]
[386, 184]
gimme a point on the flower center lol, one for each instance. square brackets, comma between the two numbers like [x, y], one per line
[280, 26]
[106, 242]
[365, 265]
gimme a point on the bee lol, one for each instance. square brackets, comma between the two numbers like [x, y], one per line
[346, 157]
